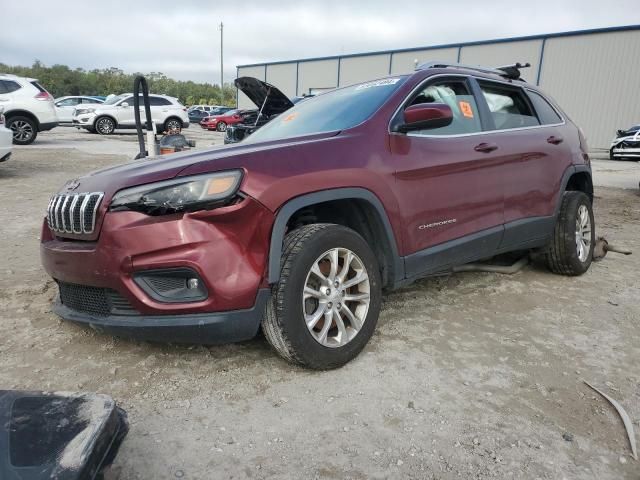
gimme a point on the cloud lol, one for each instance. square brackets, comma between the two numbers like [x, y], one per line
[182, 39]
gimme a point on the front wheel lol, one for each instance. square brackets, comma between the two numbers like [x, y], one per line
[105, 126]
[221, 127]
[571, 249]
[325, 306]
[24, 130]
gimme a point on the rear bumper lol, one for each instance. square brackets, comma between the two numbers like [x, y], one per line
[205, 328]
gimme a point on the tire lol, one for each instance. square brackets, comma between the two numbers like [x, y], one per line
[172, 122]
[284, 323]
[571, 249]
[611, 157]
[105, 125]
[221, 127]
[25, 129]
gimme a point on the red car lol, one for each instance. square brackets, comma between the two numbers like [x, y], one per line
[300, 228]
[220, 122]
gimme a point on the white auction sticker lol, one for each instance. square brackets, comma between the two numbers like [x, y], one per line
[378, 83]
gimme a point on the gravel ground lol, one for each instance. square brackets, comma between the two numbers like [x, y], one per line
[472, 375]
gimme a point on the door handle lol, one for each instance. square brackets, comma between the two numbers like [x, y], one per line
[555, 140]
[485, 147]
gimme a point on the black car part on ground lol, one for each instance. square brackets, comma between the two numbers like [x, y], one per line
[60, 436]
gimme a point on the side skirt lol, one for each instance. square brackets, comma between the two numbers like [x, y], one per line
[521, 234]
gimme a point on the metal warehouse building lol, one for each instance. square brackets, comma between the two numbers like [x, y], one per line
[593, 74]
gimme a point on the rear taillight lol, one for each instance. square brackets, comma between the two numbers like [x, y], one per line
[44, 96]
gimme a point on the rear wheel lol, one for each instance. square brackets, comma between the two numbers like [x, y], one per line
[105, 125]
[325, 307]
[221, 126]
[24, 130]
[172, 123]
[571, 249]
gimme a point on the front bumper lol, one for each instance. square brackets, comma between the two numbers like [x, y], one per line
[226, 247]
[205, 328]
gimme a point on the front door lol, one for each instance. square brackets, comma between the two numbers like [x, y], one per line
[448, 183]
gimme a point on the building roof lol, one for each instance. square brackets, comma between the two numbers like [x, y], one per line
[454, 45]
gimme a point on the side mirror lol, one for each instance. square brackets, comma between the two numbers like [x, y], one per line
[424, 116]
[124, 104]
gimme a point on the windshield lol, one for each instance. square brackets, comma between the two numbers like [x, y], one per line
[334, 110]
[114, 100]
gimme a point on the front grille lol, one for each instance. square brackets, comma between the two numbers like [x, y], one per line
[94, 300]
[74, 213]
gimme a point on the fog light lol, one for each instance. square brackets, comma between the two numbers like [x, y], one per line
[172, 285]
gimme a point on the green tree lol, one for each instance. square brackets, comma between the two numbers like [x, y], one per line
[60, 80]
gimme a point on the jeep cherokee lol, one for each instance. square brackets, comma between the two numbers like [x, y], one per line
[300, 228]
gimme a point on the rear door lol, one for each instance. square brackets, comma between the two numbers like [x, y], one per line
[448, 182]
[533, 155]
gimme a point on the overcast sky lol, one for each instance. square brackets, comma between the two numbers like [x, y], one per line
[181, 37]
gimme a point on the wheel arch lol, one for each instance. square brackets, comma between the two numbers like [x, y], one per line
[173, 117]
[576, 178]
[356, 208]
[22, 113]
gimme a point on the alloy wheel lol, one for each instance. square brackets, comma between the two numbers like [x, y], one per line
[22, 130]
[173, 124]
[583, 233]
[105, 126]
[336, 297]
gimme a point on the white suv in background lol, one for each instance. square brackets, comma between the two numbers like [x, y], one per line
[27, 106]
[118, 112]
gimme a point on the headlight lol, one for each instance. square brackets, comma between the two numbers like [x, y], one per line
[187, 194]
[80, 111]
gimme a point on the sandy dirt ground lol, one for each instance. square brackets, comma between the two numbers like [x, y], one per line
[472, 375]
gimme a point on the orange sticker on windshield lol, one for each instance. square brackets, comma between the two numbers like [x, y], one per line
[465, 108]
[290, 117]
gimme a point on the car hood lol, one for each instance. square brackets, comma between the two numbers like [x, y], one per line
[259, 91]
[140, 172]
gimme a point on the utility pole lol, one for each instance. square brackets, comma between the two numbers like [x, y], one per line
[221, 64]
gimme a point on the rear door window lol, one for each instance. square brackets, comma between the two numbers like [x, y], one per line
[508, 106]
[546, 113]
[456, 94]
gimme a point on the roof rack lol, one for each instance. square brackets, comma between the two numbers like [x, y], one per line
[512, 72]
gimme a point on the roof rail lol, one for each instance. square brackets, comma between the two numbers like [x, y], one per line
[511, 72]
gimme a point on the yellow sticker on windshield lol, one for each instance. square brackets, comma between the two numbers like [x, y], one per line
[465, 108]
[290, 117]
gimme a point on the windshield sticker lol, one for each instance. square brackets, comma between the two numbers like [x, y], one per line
[465, 108]
[378, 83]
[290, 117]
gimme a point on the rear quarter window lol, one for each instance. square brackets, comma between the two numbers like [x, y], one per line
[546, 113]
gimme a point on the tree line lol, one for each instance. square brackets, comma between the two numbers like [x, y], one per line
[60, 80]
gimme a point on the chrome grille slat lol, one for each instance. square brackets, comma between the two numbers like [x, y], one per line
[74, 213]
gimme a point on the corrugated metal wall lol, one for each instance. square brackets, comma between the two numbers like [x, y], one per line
[596, 80]
[594, 76]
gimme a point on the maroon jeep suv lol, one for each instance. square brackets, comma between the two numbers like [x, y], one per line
[300, 228]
